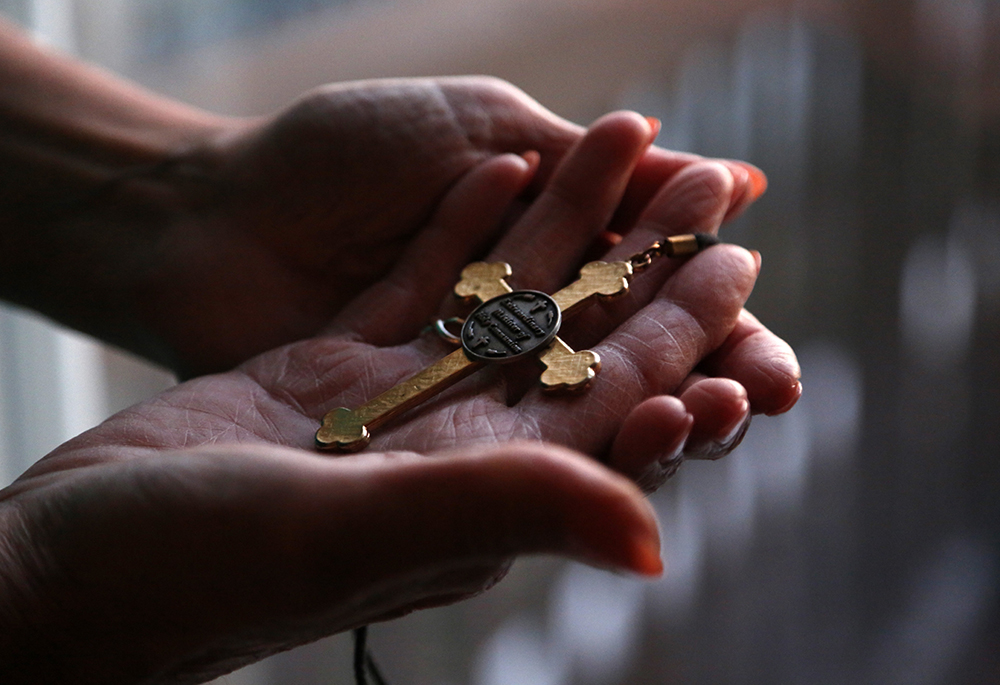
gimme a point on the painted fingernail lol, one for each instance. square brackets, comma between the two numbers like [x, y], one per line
[631, 551]
[656, 125]
[645, 557]
[758, 181]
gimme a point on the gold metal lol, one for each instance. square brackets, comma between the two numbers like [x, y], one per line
[682, 245]
[349, 430]
[673, 246]
[605, 279]
[483, 281]
[566, 370]
[440, 326]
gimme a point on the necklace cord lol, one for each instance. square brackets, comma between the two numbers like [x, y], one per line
[364, 663]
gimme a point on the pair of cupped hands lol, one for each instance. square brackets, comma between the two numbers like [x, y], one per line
[298, 259]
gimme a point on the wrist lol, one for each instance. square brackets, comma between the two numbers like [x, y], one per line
[94, 172]
[69, 128]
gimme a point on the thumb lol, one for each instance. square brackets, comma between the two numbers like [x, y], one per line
[372, 536]
[486, 503]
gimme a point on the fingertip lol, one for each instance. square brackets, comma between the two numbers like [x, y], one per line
[752, 182]
[753, 259]
[762, 362]
[646, 559]
[499, 178]
[742, 185]
[758, 181]
[721, 408]
[704, 190]
[751, 263]
[791, 398]
[707, 395]
[654, 125]
[530, 497]
[608, 523]
[533, 158]
[734, 266]
[625, 127]
[720, 438]
[749, 184]
[651, 439]
[774, 382]
[512, 173]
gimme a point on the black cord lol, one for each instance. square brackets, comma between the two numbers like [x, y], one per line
[373, 670]
[364, 664]
[360, 637]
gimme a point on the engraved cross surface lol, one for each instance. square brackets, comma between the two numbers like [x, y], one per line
[510, 326]
[507, 325]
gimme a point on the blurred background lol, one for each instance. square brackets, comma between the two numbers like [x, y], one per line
[855, 539]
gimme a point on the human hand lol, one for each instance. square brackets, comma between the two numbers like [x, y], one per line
[199, 241]
[313, 206]
[279, 222]
[197, 531]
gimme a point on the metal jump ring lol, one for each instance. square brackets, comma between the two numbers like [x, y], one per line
[440, 326]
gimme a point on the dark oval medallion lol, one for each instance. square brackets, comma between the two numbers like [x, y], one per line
[511, 326]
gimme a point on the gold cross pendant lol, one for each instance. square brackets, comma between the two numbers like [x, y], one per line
[506, 326]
